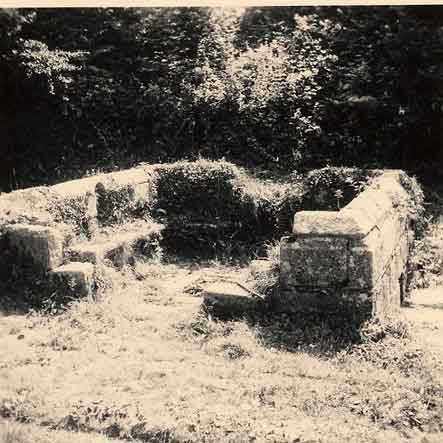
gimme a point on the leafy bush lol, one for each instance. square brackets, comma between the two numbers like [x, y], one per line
[72, 211]
[204, 188]
[416, 207]
[115, 203]
[262, 97]
[209, 204]
[330, 188]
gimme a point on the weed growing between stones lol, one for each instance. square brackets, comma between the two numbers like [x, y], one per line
[416, 208]
[265, 273]
[71, 211]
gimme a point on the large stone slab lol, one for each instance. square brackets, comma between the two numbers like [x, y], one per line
[328, 224]
[314, 261]
[41, 245]
[79, 187]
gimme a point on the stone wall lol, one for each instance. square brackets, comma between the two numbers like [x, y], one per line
[33, 205]
[356, 257]
[38, 242]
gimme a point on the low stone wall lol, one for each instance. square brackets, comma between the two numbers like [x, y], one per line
[37, 238]
[353, 258]
[35, 205]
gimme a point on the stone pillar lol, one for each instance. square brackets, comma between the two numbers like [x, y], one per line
[91, 213]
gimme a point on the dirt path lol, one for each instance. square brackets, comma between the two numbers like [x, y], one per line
[426, 315]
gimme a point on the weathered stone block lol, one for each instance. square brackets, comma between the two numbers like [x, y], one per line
[361, 268]
[86, 253]
[362, 249]
[227, 301]
[119, 249]
[41, 245]
[327, 224]
[313, 261]
[73, 279]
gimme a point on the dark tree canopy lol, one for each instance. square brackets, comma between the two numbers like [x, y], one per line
[278, 88]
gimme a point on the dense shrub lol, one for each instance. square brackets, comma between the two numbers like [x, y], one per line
[115, 204]
[203, 188]
[275, 88]
[330, 188]
[71, 211]
[211, 204]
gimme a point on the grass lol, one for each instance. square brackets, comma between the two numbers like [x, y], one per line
[143, 363]
[28, 433]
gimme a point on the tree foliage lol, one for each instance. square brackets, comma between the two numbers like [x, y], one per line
[274, 88]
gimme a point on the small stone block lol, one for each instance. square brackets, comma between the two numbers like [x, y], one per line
[227, 301]
[74, 278]
[89, 253]
[314, 262]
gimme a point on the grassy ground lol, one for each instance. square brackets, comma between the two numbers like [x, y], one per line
[28, 433]
[144, 364]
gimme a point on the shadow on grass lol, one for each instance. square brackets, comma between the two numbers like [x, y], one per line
[13, 301]
[229, 251]
[312, 331]
[27, 295]
[307, 331]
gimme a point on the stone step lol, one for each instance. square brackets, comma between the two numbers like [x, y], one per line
[117, 247]
[227, 301]
[73, 279]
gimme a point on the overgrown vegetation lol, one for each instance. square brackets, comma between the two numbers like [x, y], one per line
[213, 205]
[216, 206]
[276, 91]
[331, 188]
[271, 88]
[121, 365]
[426, 263]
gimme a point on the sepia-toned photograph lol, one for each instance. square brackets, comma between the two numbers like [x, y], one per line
[221, 224]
